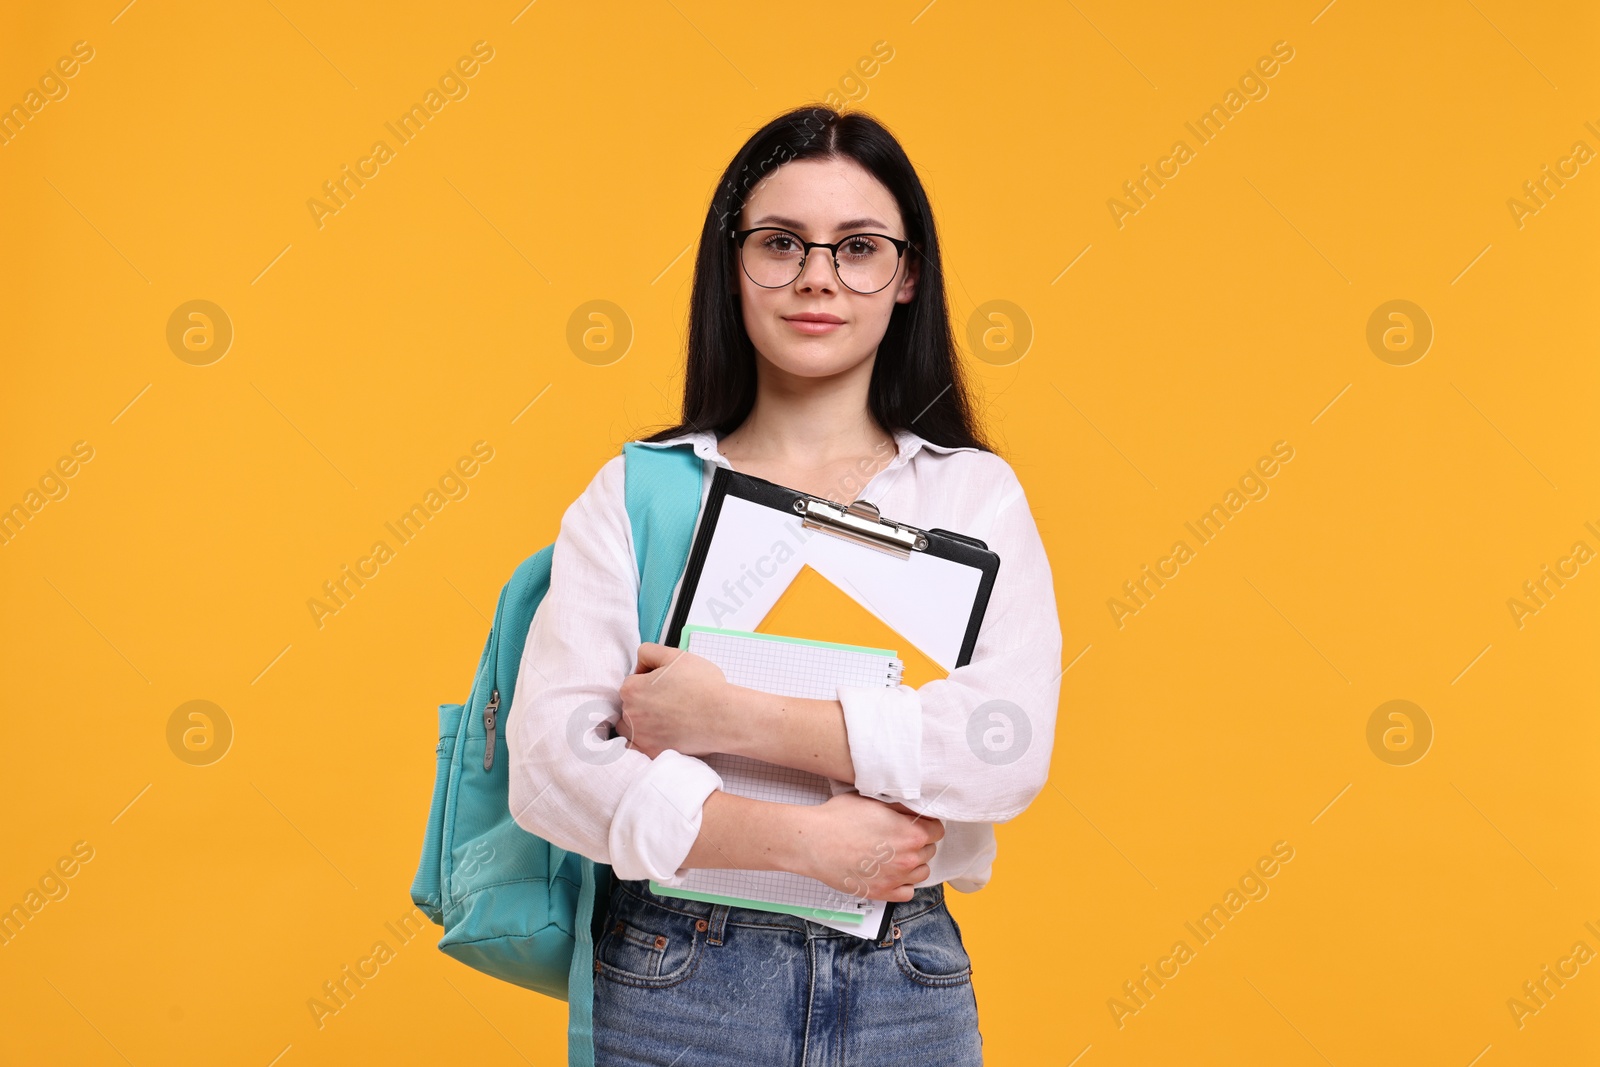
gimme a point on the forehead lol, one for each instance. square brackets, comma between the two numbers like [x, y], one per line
[821, 196]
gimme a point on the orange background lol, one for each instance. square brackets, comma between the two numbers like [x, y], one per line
[1133, 375]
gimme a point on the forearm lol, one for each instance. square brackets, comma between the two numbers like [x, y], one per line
[753, 835]
[807, 735]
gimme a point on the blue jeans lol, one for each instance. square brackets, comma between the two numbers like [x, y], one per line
[685, 983]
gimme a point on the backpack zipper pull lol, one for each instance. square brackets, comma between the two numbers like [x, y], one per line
[488, 728]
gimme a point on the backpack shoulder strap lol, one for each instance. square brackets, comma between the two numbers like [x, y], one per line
[663, 487]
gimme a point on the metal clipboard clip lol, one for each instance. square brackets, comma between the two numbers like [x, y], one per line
[860, 523]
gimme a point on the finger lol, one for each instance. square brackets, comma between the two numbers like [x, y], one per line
[653, 655]
[919, 819]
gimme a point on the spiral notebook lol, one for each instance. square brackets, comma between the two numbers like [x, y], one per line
[796, 667]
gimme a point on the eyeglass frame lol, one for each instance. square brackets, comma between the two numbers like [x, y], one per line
[900, 246]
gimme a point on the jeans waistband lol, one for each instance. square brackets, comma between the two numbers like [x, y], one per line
[923, 899]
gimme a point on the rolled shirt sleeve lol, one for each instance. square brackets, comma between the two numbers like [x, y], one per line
[570, 782]
[974, 746]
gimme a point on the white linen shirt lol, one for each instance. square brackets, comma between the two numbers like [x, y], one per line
[971, 749]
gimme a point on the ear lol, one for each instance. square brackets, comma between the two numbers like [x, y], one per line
[913, 272]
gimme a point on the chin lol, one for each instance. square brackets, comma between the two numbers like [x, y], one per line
[813, 364]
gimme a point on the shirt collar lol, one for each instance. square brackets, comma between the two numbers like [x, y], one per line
[907, 444]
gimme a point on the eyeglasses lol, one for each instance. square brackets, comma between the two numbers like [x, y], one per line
[777, 257]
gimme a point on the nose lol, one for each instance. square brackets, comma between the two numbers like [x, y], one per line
[818, 273]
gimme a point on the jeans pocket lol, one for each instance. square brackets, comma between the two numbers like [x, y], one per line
[929, 950]
[644, 944]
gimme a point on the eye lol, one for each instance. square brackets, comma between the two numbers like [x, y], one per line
[860, 247]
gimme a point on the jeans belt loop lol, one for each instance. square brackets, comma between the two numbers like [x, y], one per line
[719, 919]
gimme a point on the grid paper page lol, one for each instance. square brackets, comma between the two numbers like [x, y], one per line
[789, 668]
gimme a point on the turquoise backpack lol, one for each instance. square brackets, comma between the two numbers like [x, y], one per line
[512, 904]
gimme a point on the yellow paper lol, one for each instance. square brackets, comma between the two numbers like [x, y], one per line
[814, 608]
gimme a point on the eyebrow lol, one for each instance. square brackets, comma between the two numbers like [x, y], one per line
[797, 225]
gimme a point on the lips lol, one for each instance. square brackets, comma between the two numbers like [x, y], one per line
[815, 325]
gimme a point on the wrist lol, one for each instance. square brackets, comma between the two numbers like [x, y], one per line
[801, 831]
[741, 716]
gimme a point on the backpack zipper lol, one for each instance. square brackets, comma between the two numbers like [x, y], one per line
[488, 728]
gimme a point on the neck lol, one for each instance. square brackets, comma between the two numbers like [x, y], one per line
[805, 422]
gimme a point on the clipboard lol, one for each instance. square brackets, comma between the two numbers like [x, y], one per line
[966, 566]
[754, 536]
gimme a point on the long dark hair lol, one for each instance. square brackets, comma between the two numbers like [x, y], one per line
[917, 383]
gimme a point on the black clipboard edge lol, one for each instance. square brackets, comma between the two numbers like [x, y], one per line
[697, 556]
[980, 611]
[963, 538]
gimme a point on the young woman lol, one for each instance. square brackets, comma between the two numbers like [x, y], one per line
[821, 358]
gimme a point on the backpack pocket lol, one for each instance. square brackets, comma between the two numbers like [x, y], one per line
[425, 887]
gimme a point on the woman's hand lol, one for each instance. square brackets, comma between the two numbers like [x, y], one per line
[675, 699]
[869, 849]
